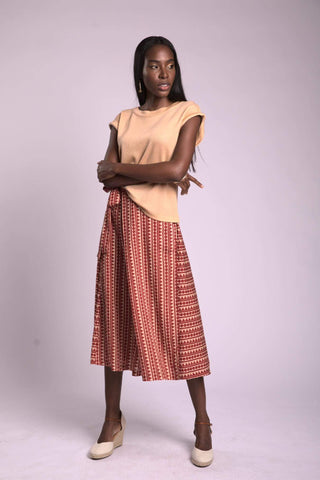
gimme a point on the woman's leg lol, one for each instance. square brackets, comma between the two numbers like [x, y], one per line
[198, 396]
[113, 384]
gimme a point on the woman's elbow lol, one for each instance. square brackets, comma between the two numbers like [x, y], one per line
[176, 173]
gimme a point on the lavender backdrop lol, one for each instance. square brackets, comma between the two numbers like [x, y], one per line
[252, 233]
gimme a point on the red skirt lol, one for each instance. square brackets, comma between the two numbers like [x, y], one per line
[146, 316]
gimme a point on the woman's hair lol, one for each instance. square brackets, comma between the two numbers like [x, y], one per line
[176, 93]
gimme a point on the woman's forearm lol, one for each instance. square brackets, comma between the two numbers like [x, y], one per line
[121, 181]
[162, 172]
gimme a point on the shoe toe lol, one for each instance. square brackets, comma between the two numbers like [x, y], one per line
[202, 458]
[100, 450]
[104, 449]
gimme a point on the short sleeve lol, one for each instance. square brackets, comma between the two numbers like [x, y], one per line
[115, 121]
[193, 110]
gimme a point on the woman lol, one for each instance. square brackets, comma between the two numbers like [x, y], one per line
[147, 316]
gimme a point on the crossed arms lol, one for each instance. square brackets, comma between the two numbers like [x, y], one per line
[112, 173]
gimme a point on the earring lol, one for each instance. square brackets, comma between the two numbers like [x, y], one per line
[140, 89]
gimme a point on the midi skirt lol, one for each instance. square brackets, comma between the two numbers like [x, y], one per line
[146, 316]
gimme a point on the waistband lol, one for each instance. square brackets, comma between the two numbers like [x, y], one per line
[115, 196]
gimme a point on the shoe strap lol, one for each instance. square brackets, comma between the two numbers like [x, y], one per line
[114, 419]
[204, 423]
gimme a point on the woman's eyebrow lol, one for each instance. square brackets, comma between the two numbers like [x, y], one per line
[158, 61]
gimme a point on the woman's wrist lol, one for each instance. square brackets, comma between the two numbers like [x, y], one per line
[115, 168]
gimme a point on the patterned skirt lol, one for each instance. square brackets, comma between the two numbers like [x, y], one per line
[146, 316]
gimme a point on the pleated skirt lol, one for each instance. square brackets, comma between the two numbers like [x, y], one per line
[146, 315]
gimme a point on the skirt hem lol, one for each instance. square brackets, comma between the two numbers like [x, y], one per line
[149, 379]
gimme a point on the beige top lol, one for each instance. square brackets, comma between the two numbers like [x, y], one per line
[150, 136]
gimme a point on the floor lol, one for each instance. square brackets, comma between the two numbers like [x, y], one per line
[46, 434]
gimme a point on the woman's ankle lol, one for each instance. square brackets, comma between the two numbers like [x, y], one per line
[113, 412]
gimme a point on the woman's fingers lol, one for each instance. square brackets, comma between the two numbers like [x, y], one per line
[105, 176]
[185, 186]
[105, 170]
[194, 180]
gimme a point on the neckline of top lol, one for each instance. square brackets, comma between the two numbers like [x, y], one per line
[138, 111]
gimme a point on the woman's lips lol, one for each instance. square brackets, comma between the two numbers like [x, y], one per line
[164, 87]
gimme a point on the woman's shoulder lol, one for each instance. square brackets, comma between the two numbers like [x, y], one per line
[124, 111]
[186, 108]
[187, 104]
[191, 104]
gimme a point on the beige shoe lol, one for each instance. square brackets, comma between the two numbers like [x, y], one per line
[104, 449]
[202, 458]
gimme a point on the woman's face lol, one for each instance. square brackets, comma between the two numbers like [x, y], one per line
[159, 70]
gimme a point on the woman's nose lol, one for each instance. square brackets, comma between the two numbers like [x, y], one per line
[163, 73]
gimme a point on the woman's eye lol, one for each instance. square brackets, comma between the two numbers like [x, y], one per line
[156, 66]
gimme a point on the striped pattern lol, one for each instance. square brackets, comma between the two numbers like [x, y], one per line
[146, 317]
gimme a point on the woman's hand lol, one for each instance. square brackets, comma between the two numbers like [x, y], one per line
[184, 183]
[105, 170]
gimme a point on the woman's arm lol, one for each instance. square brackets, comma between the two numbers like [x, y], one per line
[121, 181]
[163, 172]
[112, 156]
